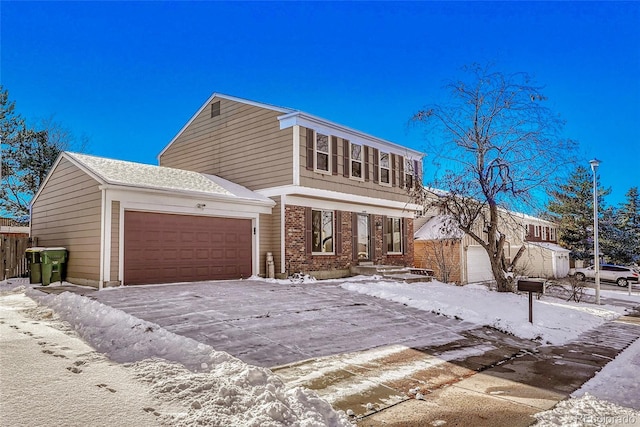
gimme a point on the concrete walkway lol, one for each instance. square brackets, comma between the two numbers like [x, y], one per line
[509, 393]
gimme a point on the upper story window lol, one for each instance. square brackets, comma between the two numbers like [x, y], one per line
[552, 234]
[409, 173]
[536, 231]
[322, 232]
[544, 233]
[355, 157]
[323, 152]
[394, 235]
[385, 168]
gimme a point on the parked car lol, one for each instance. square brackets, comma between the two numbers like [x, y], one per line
[619, 274]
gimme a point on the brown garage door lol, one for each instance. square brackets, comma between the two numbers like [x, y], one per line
[164, 248]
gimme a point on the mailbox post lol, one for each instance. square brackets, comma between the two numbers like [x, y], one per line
[530, 286]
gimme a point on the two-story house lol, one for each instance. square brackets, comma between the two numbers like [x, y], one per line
[239, 181]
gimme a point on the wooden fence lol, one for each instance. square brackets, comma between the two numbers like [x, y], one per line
[12, 256]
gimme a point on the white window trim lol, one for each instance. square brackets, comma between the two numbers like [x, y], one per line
[380, 168]
[536, 231]
[333, 231]
[361, 161]
[315, 153]
[544, 233]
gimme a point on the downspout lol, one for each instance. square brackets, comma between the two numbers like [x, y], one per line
[283, 204]
[102, 238]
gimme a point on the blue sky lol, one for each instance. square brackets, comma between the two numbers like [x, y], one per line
[130, 74]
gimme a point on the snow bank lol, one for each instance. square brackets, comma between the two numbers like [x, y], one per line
[587, 411]
[218, 389]
[555, 321]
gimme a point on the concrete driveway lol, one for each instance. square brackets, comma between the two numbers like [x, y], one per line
[270, 324]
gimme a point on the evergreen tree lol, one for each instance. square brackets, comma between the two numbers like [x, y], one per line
[27, 155]
[628, 221]
[612, 238]
[571, 207]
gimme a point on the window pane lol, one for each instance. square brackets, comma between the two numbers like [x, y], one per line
[316, 219]
[384, 175]
[323, 162]
[327, 231]
[394, 235]
[322, 232]
[322, 143]
[384, 160]
[356, 169]
[356, 152]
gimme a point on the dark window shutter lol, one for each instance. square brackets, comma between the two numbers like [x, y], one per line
[372, 237]
[376, 162]
[345, 154]
[401, 175]
[334, 155]
[308, 231]
[405, 235]
[393, 159]
[337, 232]
[310, 151]
[385, 228]
[417, 173]
[366, 163]
[354, 236]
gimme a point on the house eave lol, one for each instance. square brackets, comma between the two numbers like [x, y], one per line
[291, 190]
[310, 121]
[199, 195]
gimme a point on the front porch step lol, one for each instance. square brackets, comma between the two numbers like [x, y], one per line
[407, 274]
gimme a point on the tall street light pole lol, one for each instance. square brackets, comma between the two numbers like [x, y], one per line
[596, 256]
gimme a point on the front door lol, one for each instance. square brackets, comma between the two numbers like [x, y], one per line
[363, 240]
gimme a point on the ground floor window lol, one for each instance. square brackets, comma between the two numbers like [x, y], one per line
[394, 235]
[322, 232]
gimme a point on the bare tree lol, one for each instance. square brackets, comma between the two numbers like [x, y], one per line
[494, 144]
[442, 255]
[28, 152]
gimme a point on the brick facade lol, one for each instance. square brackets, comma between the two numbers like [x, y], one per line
[298, 259]
[441, 256]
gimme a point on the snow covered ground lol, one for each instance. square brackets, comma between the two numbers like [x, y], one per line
[195, 384]
[209, 387]
[555, 321]
[612, 397]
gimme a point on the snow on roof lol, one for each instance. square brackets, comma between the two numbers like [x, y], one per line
[550, 246]
[439, 227]
[140, 175]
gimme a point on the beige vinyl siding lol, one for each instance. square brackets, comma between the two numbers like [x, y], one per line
[67, 213]
[270, 229]
[342, 184]
[115, 240]
[244, 144]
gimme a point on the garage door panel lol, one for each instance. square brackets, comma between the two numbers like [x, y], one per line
[164, 248]
[478, 265]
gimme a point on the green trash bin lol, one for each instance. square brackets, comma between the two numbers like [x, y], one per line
[54, 262]
[33, 259]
